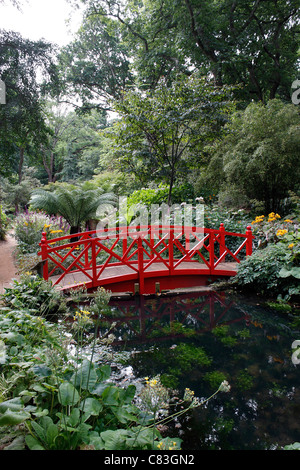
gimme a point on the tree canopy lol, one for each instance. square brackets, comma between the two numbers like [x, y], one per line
[150, 88]
[260, 154]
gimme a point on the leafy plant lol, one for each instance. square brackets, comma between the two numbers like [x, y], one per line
[33, 292]
[74, 203]
[28, 228]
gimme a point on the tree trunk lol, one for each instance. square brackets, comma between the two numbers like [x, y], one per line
[21, 161]
[74, 229]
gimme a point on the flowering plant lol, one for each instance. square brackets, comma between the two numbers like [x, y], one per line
[28, 228]
[271, 229]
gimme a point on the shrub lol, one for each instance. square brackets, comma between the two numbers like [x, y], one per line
[34, 293]
[159, 195]
[260, 271]
[3, 223]
[28, 228]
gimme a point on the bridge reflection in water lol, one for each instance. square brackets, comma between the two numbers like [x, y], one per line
[141, 319]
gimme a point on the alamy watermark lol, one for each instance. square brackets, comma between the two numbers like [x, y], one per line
[2, 92]
[296, 353]
[142, 221]
[296, 93]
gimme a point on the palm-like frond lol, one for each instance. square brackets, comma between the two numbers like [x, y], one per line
[74, 204]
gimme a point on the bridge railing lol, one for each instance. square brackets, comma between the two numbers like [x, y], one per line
[140, 250]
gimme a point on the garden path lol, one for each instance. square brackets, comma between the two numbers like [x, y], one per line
[8, 270]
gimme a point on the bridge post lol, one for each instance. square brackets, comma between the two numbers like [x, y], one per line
[249, 241]
[94, 261]
[222, 241]
[141, 265]
[123, 234]
[211, 251]
[44, 253]
[171, 250]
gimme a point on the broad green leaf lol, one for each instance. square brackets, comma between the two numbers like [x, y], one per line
[295, 271]
[15, 404]
[51, 434]
[74, 417]
[91, 406]
[17, 444]
[85, 377]
[67, 394]
[110, 396]
[12, 418]
[42, 371]
[32, 443]
[99, 389]
[114, 440]
[39, 430]
[104, 372]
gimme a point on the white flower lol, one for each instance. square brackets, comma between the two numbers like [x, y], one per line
[224, 387]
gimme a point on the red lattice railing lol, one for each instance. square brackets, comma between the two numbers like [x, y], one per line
[132, 252]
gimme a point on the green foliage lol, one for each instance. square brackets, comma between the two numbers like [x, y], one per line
[23, 126]
[33, 292]
[74, 203]
[294, 446]
[161, 132]
[214, 378]
[260, 271]
[16, 195]
[257, 155]
[3, 223]
[159, 195]
[224, 40]
[28, 227]
[244, 380]
[274, 268]
[64, 401]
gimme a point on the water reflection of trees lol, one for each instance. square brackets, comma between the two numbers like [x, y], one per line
[141, 319]
[247, 344]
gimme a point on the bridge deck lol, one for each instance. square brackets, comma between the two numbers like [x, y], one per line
[113, 274]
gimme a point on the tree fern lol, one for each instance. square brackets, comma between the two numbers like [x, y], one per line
[73, 203]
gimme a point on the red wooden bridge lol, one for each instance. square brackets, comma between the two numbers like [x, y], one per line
[145, 261]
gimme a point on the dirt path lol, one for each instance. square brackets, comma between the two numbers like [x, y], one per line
[7, 266]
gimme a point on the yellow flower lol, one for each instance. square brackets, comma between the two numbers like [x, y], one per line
[82, 314]
[258, 219]
[289, 221]
[153, 382]
[281, 232]
[273, 217]
[47, 225]
[291, 245]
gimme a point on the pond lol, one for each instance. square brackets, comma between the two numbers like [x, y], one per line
[196, 340]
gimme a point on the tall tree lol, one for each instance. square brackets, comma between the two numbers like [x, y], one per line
[95, 65]
[162, 132]
[24, 64]
[259, 157]
[73, 148]
[254, 43]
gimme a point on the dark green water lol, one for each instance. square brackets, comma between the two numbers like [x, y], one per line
[197, 340]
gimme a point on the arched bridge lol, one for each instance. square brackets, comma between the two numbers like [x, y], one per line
[148, 260]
